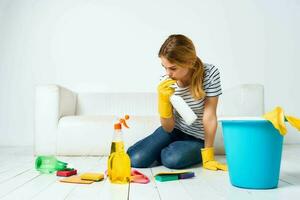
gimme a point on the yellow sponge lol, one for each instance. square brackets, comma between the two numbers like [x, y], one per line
[92, 176]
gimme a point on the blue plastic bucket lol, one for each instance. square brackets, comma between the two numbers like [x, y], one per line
[253, 151]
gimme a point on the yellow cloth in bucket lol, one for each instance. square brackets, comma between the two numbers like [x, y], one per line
[295, 122]
[277, 117]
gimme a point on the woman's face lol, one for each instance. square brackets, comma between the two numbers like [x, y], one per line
[175, 72]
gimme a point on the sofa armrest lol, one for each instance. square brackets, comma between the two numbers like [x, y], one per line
[51, 103]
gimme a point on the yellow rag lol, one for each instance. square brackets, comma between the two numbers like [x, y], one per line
[295, 122]
[276, 117]
[75, 179]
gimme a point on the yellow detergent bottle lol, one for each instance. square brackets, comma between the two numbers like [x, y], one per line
[119, 167]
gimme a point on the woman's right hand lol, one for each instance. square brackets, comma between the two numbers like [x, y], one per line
[164, 92]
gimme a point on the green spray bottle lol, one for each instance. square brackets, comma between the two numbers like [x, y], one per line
[49, 164]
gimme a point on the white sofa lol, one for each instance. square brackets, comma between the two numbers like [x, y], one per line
[70, 123]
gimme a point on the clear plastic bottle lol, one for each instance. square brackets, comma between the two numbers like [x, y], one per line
[119, 166]
[181, 106]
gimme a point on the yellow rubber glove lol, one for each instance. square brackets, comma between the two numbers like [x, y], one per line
[209, 162]
[295, 122]
[164, 92]
[276, 117]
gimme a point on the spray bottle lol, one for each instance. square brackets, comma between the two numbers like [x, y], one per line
[49, 164]
[119, 166]
[181, 106]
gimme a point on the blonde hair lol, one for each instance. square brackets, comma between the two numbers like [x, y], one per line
[180, 50]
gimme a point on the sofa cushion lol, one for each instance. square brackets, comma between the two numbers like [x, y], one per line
[93, 134]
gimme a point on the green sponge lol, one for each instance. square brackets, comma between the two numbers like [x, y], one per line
[163, 178]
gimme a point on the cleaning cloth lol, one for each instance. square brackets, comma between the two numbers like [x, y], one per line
[277, 118]
[75, 179]
[138, 177]
[295, 122]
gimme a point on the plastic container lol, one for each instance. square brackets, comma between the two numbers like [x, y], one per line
[49, 164]
[183, 109]
[253, 151]
[181, 106]
[119, 165]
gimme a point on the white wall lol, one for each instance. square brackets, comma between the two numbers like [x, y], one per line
[112, 45]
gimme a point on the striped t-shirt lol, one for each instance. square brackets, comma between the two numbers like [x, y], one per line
[212, 88]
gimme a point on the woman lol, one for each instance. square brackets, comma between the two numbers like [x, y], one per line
[175, 144]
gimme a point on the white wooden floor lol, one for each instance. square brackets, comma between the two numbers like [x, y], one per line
[19, 180]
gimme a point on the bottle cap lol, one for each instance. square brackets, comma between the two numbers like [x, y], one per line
[117, 126]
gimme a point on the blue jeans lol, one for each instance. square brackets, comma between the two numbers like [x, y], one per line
[175, 150]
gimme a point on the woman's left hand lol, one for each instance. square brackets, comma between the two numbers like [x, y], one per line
[209, 161]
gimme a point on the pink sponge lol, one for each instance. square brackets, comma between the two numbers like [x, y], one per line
[66, 173]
